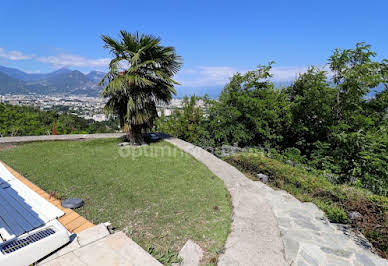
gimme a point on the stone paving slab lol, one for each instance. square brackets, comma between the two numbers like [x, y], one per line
[309, 237]
[96, 247]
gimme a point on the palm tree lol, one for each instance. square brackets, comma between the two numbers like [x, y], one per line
[139, 77]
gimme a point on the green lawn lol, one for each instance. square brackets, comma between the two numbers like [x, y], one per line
[160, 196]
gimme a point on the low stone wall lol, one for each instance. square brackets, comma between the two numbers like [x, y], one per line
[60, 137]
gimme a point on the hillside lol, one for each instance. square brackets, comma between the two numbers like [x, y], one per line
[11, 85]
[28, 121]
[62, 81]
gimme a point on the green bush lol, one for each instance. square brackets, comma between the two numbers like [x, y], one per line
[334, 213]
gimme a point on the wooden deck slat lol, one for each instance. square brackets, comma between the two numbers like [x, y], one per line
[85, 226]
[55, 202]
[76, 223]
[68, 218]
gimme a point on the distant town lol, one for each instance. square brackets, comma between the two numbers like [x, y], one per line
[83, 106]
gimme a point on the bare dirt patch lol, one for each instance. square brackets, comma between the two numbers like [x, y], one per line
[6, 146]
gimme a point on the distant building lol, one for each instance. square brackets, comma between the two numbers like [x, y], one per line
[99, 117]
[14, 102]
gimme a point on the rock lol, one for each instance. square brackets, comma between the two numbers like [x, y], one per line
[313, 255]
[227, 150]
[362, 259]
[338, 252]
[122, 144]
[72, 203]
[262, 177]
[357, 238]
[191, 254]
[291, 250]
[354, 215]
[291, 163]
[305, 223]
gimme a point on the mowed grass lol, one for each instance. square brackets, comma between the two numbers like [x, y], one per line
[157, 194]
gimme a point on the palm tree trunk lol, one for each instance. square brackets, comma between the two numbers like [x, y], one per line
[134, 136]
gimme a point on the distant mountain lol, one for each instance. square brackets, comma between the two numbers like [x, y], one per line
[61, 81]
[18, 74]
[96, 75]
[11, 85]
[14, 73]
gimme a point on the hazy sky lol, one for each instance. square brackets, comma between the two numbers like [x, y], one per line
[215, 38]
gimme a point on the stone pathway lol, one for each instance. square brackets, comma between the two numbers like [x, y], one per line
[255, 237]
[271, 227]
[97, 247]
[310, 239]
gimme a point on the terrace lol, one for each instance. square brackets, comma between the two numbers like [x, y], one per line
[156, 195]
[165, 196]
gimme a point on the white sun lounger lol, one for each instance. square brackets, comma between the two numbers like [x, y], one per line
[29, 229]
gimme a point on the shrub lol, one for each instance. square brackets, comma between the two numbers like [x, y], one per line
[334, 213]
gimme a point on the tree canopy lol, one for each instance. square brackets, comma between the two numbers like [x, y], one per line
[140, 75]
[325, 120]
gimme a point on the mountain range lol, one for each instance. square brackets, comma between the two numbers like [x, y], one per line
[62, 81]
[73, 82]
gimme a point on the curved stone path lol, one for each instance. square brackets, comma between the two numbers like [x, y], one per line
[271, 227]
[255, 237]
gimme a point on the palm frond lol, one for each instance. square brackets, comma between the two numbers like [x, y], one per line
[140, 74]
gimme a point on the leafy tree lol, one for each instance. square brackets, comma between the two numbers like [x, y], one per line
[250, 110]
[140, 75]
[378, 106]
[355, 74]
[329, 123]
[312, 107]
[185, 123]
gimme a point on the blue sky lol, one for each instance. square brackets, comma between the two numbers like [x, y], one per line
[215, 38]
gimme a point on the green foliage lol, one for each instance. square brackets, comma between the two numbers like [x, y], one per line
[311, 100]
[26, 121]
[249, 111]
[333, 212]
[185, 123]
[165, 257]
[325, 122]
[355, 74]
